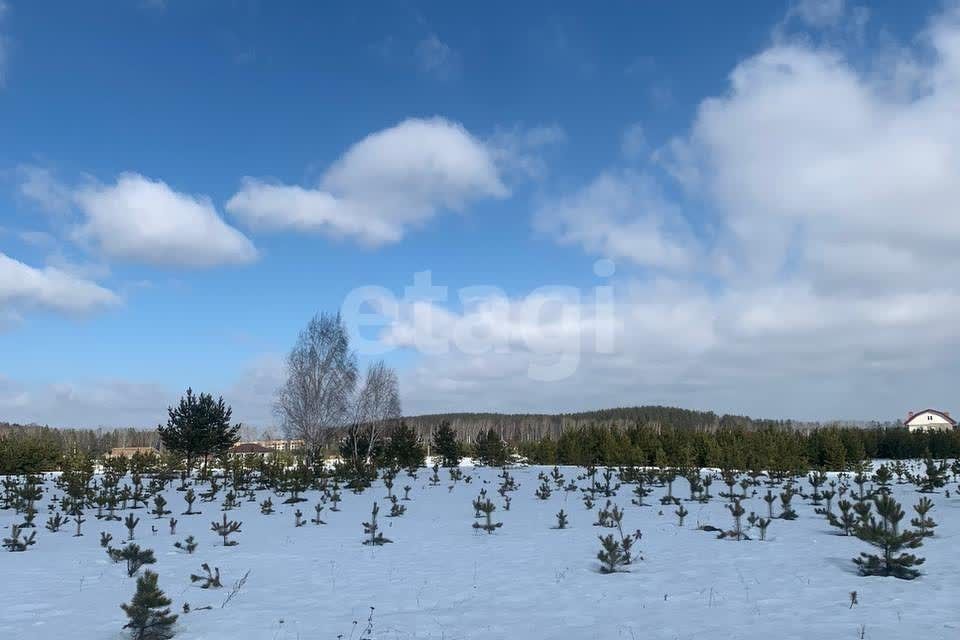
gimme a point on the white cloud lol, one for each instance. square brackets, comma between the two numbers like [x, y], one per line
[142, 220]
[621, 215]
[391, 180]
[49, 288]
[821, 276]
[819, 13]
[39, 185]
[436, 58]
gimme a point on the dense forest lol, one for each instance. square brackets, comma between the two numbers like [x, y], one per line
[634, 435]
[520, 428]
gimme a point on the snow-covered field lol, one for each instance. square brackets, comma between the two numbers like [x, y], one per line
[442, 579]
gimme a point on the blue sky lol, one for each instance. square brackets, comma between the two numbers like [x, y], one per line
[182, 185]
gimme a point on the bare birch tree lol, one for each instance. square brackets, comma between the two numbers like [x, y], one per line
[318, 395]
[376, 407]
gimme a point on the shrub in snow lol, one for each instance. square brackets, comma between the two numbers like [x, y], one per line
[148, 613]
[561, 520]
[266, 507]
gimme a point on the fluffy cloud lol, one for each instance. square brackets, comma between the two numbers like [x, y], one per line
[809, 269]
[621, 215]
[384, 184]
[143, 220]
[49, 288]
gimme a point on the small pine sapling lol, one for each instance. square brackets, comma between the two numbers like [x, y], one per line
[55, 521]
[105, 539]
[16, 543]
[225, 528]
[562, 521]
[190, 498]
[372, 529]
[79, 520]
[317, 508]
[406, 492]
[681, 514]
[266, 507]
[298, 518]
[189, 545]
[786, 511]
[544, 491]
[130, 523]
[736, 510]
[847, 519]
[885, 536]
[159, 504]
[763, 524]
[148, 613]
[133, 555]
[396, 509]
[209, 581]
[173, 526]
[923, 523]
[486, 507]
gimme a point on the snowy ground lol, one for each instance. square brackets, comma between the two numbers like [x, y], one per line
[441, 579]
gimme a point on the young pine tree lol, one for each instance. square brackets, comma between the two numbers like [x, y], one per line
[372, 529]
[923, 523]
[133, 555]
[148, 614]
[224, 529]
[884, 534]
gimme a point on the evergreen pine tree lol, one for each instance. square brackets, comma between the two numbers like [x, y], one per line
[225, 528]
[211, 579]
[133, 555]
[884, 534]
[16, 543]
[372, 529]
[445, 445]
[149, 612]
[924, 524]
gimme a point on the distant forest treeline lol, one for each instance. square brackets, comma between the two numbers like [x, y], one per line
[32, 446]
[530, 427]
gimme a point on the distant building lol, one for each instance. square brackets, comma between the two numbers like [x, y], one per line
[282, 445]
[251, 449]
[929, 420]
[128, 452]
